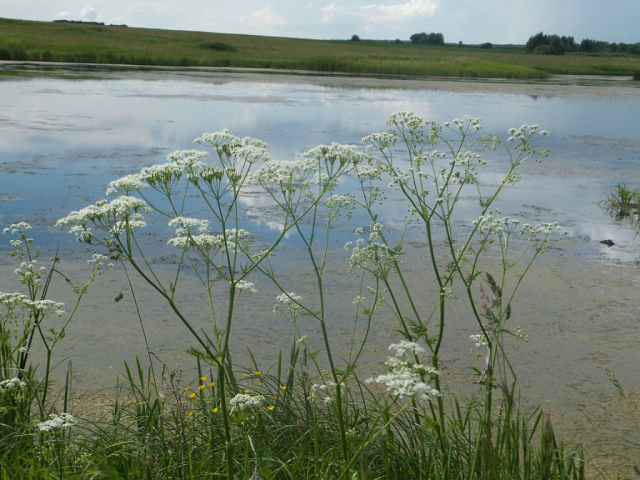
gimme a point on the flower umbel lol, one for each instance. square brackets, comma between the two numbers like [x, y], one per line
[406, 377]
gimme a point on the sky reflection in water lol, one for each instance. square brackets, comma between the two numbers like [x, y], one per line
[65, 139]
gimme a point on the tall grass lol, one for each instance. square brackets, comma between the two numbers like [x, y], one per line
[313, 415]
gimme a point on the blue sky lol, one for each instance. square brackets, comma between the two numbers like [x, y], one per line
[469, 21]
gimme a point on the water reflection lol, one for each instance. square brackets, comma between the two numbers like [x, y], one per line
[66, 137]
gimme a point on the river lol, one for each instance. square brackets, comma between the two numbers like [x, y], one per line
[67, 131]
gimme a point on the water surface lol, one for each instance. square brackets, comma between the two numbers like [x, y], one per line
[66, 135]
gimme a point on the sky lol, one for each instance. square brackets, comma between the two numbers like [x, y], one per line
[467, 21]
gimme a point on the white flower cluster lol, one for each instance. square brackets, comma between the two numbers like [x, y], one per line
[406, 378]
[479, 340]
[17, 228]
[29, 273]
[56, 422]
[188, 159]
[325, 390]
[380, 141]
[370, 254]
[369, 172]
[245, 286]
[12, 383]
[11, 300]
[221, 138]
[465, 123]
[42, 307]
[540, 230]
[243, 401]
[408, 124]
[285, 175]
[114, 216]
[232, 239]
[291, 299]
[127, 184]
[186, 225]
[163, 174]
[336, 154]
[338, 204]
[490, 224]
[248, 149]
[98, 260]
[525, 132]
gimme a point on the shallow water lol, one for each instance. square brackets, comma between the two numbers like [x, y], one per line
[66, 135]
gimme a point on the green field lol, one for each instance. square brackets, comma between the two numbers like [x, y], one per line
[85, 43]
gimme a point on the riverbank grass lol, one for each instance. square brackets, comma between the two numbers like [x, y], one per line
[22, 40]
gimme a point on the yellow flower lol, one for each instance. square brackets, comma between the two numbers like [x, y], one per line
[283, 388]
[192, 395]
[190, 413]
[211, 384]
[246, 390]
[186, 389]
[203, 379]
[271, 407]
[200, 387]
[258, 372]
[245, 374]
[215, 410]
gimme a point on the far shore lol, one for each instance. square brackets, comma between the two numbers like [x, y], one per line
[556, 85]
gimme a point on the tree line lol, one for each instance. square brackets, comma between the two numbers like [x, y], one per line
[542, 43]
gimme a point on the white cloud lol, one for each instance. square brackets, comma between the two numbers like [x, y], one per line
[400, 11]
[381, 12]
[64, 15]
[261, 18]
[89, 14]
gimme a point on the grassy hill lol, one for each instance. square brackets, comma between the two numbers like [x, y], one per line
[87, 43]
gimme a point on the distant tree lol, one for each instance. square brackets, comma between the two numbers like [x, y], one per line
[427, 38]
[355, 38]
[486, 45]
[588, 45]
[550, 44]
[397, 40]
[460, 43]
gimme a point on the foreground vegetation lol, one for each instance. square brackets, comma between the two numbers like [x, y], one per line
[84, 43]
[312, 415]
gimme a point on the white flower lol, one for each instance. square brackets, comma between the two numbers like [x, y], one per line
[188, 225]
[11, 383]
[17, 228]
[291, 299]
[126, 184]
[406, 377]
[479, 340]
[188, 159]
[243, 401]
[406, 347]
[251, 153]
[245, 286]
[113, 217]
[55, 422]
[223, 140]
